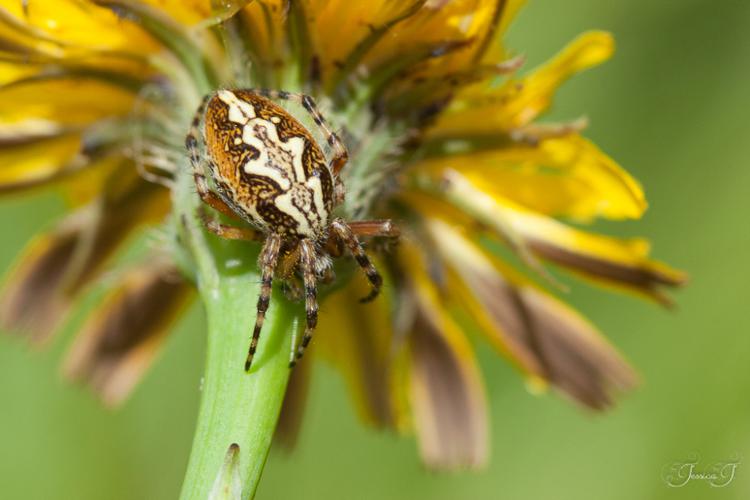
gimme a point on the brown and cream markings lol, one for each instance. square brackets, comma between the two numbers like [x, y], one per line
[269, 171]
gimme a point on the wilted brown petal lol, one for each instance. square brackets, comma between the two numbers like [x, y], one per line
[358, 339]
[646, 279]
[575, 359]
[562, 348]
[119, 342]
[56, 267]
[447, 394]
[449, 409]
[295, 400]
[543, 335]
[40, 290]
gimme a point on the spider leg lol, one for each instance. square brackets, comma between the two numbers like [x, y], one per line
[367, 228]
[374, 228]
[199, 167]
[307, 260]
[214, 201]
[340, 154]
[228, 232]
[267, 262]
[350, 239]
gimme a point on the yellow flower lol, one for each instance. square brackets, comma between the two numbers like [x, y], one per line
[440, 122]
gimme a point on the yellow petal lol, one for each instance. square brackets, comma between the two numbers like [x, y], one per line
[350, 22]
[496, 50]
[68, 101]
[81, 24]
[39, 161]
[10, 72]
[613, 261]
[437, 22]
[518, 102]
[547, 339]
[39, 153]
[613, 192]
[186, 12]
[566, 176]
[266, 30]
[535, 95]
[32, 45]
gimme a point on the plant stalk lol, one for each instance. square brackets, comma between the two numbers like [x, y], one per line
[237, 408]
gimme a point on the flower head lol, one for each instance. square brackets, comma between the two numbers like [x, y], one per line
[440, 121]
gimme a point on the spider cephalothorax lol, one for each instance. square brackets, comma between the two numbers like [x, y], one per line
[270, 172]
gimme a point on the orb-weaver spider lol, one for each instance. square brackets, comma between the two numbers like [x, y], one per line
[269, 171]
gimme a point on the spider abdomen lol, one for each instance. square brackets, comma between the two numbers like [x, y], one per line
[268, 165]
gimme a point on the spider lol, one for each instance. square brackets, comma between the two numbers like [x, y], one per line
[269, 171]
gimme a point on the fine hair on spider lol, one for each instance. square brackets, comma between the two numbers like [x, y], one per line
[270, 172]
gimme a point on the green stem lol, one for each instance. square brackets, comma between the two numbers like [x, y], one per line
[236, 407]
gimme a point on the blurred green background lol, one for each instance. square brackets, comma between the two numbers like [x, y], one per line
[672, 108]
